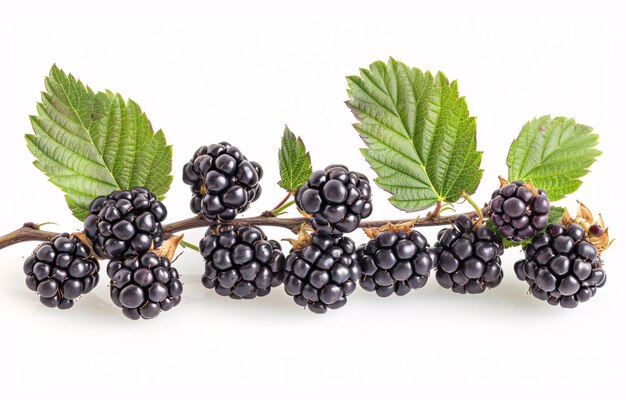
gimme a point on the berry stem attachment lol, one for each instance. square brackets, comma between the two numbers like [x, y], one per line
[278, 211]
[479, 211]
[185, 244]
[31, 231]
[280, 207]
[436, 212]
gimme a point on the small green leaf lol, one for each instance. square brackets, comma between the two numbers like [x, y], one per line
[90, 144]
[294, 162]
[420, 138]
[554, 217]
[553, 154]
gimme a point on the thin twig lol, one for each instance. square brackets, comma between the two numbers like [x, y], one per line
[275, 211]
[31, 232]
[27, 232]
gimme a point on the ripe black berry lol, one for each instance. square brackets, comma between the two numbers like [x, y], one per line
[469, 257]
[518, 212]
[61, 270]
[125, 223]
[145, 285]
[240, 262]
[395, 262]
[222, 180]
[336, 198]
[323, 274]
[562, 267]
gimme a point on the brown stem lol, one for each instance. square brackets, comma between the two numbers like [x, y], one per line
[435, 212]
[27, 232]
[31, 232]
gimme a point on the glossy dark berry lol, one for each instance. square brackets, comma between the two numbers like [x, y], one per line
[240, 262]
[125, 223]
[518, 212]
[468, 257]
[323, 274]
[395, 262]
[222, 180]
[61, 270]
[561, 267]
[336, 198]
[145, 285]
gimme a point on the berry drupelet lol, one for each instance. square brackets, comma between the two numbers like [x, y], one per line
[561, 266]
[468, 257]
[336, 198]
[125, 223]
[222, 180]
[395, 262]
[61, 270]
[323, 273]
[145, 285]
[519, 210]
[240, 262]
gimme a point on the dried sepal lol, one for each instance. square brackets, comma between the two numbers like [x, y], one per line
[168, 247]
[503, 182]
[401, 227]
[303, 239]
[596, 231]
[584, 213]
[305, 214]
[82, 236]
[567, 219]
[532, 188]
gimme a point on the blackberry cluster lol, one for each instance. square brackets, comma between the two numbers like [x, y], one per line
[125, 223]
[145, 285]
[561, 267]
[395, 262]
[518, 212]
[469, 258]
[323, 274]
[240, 262]
[222, 180]
[60, 271]
[336, 198]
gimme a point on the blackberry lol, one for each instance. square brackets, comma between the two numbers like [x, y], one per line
[240, 262]
[61, 270]
[323, 273]
[336, 198]
[395, 262]
[562, 267]
[145, 285]
[519, 211]
[125, 223]
[222, 180]
[469, 257]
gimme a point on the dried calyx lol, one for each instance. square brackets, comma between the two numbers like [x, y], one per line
[596, 231]
[168, 248]
[403, 227]
[303, 239]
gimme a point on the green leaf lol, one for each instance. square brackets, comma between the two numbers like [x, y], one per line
[554, 217]
[553, 154]
[90, 144]
[420, 138]
[294, 162]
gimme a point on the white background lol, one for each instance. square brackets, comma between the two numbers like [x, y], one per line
[239, 73]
